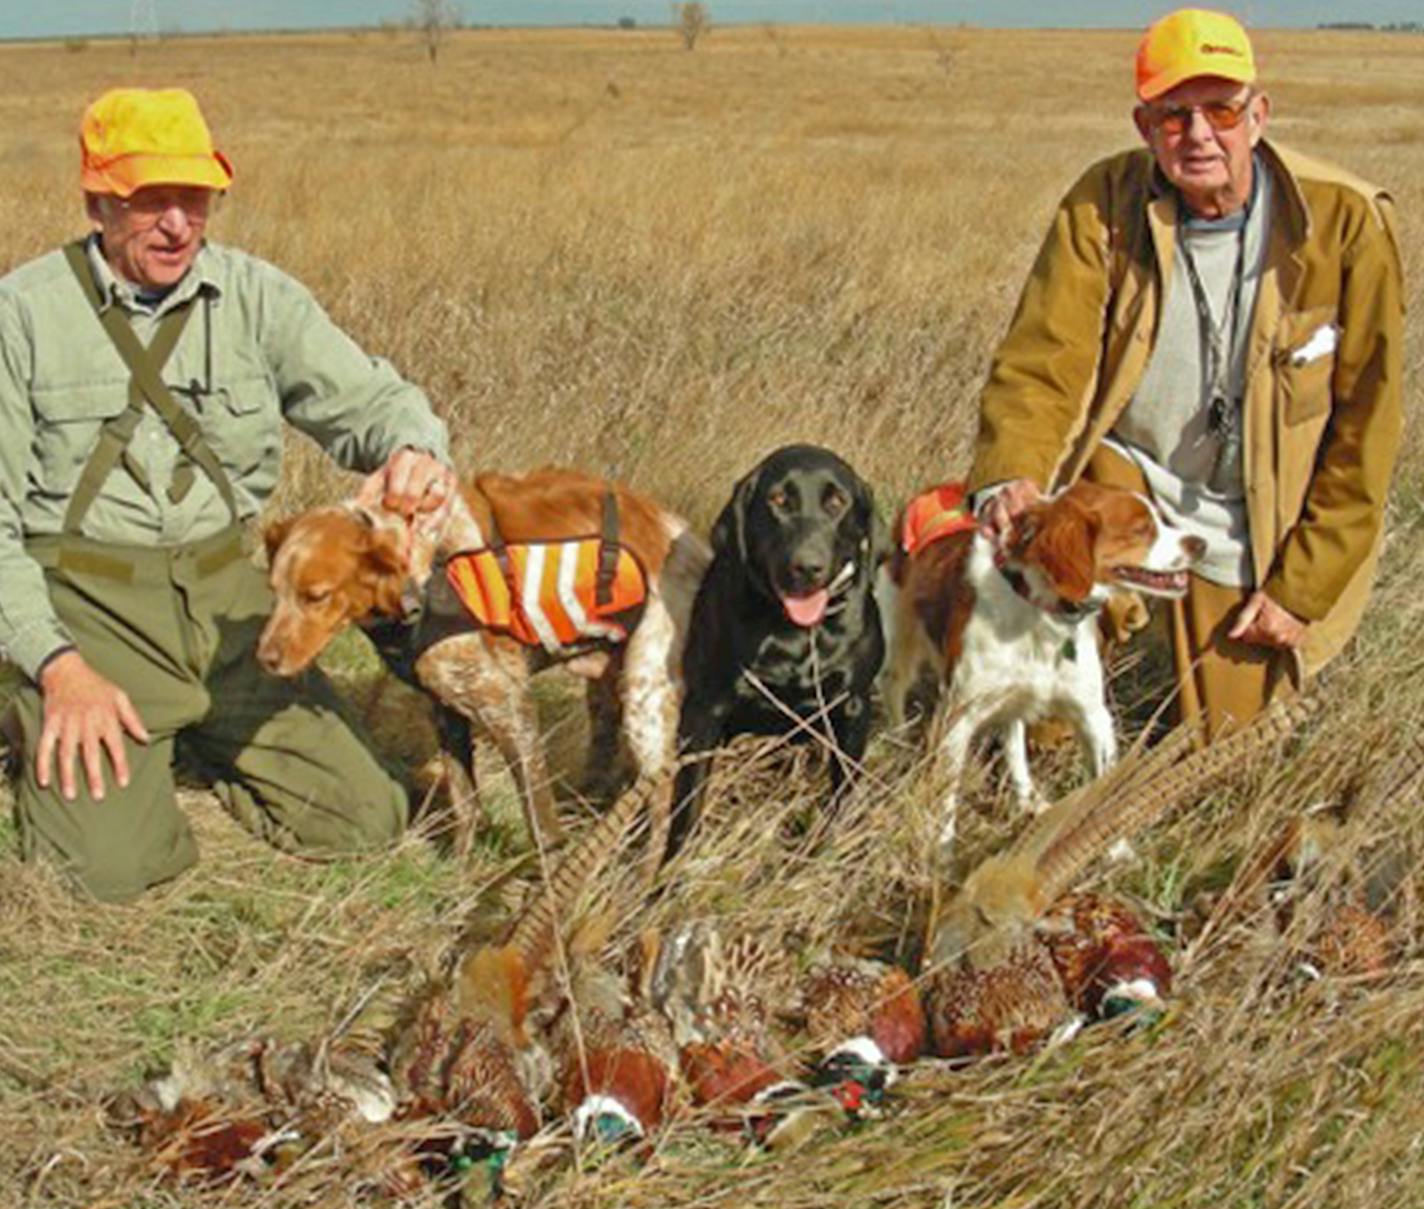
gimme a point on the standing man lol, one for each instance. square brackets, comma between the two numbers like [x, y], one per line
[1218, 320]
[144, 378]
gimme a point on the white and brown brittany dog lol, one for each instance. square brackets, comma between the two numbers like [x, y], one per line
[1011, 633]
[519, 551]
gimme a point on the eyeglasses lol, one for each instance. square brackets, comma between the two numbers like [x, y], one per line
[151, 204]
[1176, 120]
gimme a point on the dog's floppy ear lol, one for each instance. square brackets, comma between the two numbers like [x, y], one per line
[274, 535]
[1060, 542]
[385, 542]
[386, 551]
[729, 530]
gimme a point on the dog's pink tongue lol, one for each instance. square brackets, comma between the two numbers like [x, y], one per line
[806, 610]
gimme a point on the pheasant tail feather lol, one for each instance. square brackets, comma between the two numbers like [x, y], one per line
[533, 933]
[1129, 808]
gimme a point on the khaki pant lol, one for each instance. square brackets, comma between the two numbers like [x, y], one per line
[1218, 680]
[177, 629]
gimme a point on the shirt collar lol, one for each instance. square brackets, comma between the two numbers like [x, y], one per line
[113, 289]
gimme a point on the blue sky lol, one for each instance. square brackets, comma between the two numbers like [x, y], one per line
[38, 18]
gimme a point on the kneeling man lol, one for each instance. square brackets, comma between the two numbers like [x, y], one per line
[145, 377]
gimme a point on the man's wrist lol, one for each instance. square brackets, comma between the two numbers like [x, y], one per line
[48, 660]
[1303, 609]
[422, 449]
[980, 500]
[34, 642]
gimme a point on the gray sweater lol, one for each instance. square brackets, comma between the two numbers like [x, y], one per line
[1165, 429]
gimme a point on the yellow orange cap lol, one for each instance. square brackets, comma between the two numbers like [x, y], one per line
[1190, 43]
[133, 137]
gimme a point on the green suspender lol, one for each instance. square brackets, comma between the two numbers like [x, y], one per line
[144, 364]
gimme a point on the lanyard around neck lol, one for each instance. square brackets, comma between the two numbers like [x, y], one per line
[1219, 341]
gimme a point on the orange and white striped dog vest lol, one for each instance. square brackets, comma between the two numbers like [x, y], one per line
[933, 514]
[549, 597]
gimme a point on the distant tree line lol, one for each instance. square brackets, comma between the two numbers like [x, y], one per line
[1395, 27]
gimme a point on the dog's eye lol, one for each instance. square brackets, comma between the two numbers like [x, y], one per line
[835, 502]
[777, 498]
[316, 595]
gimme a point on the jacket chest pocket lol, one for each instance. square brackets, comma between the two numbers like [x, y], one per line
[1304, 364]
[242, 423]
[67, 424]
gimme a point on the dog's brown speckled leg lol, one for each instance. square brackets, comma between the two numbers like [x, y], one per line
[487, 680]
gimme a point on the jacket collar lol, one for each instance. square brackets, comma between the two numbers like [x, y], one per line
[1290, 217]
[1290, 224]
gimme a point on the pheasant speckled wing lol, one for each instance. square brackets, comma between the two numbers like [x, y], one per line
[1011, 1006]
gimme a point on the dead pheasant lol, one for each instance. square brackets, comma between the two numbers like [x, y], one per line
[993, 983]
[467, 1054]
[616, 1056]
[1348, 932]
[1106, 960]
[714, 993]
[722, 999]
[1365, 902]
[1316, 866]
[248, 1107]
[863, 1019]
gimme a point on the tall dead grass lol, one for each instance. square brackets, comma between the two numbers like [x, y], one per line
[594, 248]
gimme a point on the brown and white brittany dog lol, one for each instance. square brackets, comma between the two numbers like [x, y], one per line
[1012, 634]
[354, 564]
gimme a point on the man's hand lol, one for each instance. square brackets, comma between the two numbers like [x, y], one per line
[411, 482]
[84, 713]
[998, 517]
[1262, 622]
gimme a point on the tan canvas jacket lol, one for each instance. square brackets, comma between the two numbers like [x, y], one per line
[1320, 431]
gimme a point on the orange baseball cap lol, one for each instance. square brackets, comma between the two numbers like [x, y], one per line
[1190, 43]
[133, 137]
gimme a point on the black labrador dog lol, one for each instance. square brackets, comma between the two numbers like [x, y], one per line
[785, 633]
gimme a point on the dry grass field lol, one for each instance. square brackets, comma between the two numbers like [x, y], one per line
[593, 247]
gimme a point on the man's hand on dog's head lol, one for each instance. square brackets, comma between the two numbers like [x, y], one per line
[999, 512]
[411, 483]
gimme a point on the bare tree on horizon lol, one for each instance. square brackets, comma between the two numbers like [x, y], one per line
[692, 21]
[434, 19]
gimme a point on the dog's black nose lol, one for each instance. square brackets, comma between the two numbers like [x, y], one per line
[808, 570]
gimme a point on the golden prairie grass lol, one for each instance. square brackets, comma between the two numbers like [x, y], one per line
[593, 247]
